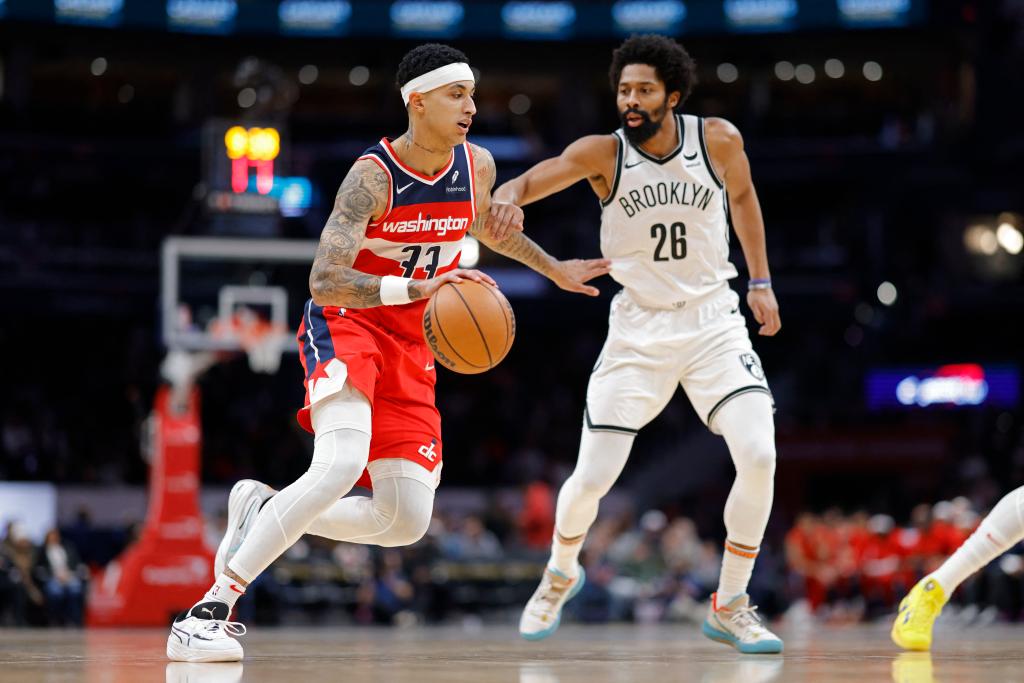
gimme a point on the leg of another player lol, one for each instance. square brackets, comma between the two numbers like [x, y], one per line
[748, 426]
[601, 459]
[341, 448]
[1002, 529]
[397, 514]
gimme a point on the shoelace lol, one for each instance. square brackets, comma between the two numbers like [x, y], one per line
[547, 596]
[745, 617]
[232, 628]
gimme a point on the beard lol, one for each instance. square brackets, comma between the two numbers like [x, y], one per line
[647, 129]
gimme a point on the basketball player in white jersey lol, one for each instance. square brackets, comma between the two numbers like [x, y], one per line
[1001, 529]
[670, 187]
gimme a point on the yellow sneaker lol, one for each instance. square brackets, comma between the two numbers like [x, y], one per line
[912, 629]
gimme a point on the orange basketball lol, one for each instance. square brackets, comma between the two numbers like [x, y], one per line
[469, 326]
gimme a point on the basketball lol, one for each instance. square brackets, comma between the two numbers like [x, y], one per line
[469, 326]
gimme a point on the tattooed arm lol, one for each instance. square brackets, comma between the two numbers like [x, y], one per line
[333, 281]
[569, 275]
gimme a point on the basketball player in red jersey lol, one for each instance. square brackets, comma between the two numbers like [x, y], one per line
[393, 239]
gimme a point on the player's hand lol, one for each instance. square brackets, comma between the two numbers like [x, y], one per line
[766, 311]
[424, 289]
[504, 219]
[570, 275]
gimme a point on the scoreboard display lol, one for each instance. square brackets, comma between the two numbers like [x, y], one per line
[244, 164]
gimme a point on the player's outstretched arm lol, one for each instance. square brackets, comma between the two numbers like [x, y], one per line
[591, 157]
[725, 145]
[570, 275]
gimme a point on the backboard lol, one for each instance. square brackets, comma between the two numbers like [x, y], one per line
[217, 292]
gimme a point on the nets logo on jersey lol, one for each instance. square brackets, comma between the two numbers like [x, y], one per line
[420, 224]
[753, 365]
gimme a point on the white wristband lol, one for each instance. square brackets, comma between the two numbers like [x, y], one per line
[394, 290]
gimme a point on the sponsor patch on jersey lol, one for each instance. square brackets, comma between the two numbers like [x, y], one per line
[753, 365]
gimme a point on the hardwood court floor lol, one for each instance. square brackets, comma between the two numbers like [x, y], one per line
[577, 654]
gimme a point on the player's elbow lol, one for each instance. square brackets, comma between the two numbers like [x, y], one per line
[318, 289]
[740, 197]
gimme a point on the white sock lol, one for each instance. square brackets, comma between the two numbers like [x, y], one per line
[737, 566]
[747, 424]
[1002, 529]
[226, 590]
[565, 554]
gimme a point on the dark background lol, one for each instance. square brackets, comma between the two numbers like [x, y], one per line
[860, 181]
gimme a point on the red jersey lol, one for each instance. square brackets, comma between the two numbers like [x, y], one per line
[381, 351]
[420, 234]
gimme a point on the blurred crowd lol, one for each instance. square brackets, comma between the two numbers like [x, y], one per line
[40, 585]
[849, 567]
[482, 565]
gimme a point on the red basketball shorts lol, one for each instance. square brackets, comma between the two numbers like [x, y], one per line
[395, 373]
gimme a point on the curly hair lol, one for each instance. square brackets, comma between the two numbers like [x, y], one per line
[426, 58]
[673, 64]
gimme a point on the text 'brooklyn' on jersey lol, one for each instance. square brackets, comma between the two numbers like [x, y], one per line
[665, 224]
[420, 234]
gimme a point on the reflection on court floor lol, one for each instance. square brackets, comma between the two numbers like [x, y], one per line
[578, 654]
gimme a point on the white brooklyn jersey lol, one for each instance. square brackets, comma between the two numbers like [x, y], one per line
[665, 225]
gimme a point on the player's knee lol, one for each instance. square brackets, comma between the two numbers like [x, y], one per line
[336, 479]
[591, 484]
[403, 508]
[339, 457]
[409, 527]
[757, 459]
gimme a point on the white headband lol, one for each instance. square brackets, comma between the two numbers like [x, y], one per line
[449, 73]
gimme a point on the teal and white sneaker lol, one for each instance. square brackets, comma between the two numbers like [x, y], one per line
[737, 624]
[244, 503]
[543, 612]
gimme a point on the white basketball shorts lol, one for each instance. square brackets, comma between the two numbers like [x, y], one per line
[703, 346]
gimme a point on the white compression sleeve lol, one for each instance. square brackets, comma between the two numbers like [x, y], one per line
[1002, 529]
[601, 459]
[397, 514]
[341, 448]
[748, 426]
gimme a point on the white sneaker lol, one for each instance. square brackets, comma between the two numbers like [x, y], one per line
[203, 634]
[543, 613]
[737, 624]
[244, 503]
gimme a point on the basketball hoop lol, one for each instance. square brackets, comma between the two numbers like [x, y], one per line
[262, 341]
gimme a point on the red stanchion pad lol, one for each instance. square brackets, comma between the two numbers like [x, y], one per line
[170, 566]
